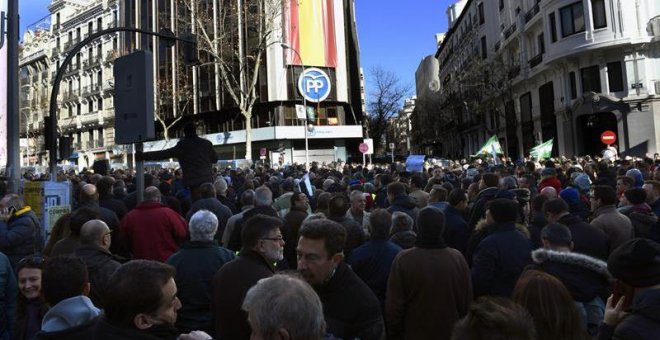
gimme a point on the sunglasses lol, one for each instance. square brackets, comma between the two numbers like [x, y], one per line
[35, 260]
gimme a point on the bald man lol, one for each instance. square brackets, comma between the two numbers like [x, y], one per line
[89, 198]
[95, 241]
[152, 231]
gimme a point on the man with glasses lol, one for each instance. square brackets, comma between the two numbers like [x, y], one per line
[263, 246]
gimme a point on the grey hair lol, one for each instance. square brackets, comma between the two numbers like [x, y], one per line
[315, 216]
[355, 194]
[285, 301]
[203, 226]
[220, 186]
[263, 197]
[402, 221]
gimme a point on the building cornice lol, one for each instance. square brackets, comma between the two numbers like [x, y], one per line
[83, 16]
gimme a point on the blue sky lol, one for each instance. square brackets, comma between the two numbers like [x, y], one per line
[394, 34]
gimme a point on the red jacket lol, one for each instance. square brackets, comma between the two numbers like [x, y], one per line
[153, 231]
[551, 181]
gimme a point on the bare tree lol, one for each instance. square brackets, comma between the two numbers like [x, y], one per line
[384, 103]
[234, 35]
[173, 100]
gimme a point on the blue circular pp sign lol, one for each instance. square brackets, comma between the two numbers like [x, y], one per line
[314, 85]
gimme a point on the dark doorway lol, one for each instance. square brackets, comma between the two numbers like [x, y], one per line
[511, 130]
[590, 127]
[548, 120]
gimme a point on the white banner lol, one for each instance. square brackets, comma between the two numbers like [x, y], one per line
[4, 4]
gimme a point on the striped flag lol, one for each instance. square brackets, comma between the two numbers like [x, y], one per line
[310, 30]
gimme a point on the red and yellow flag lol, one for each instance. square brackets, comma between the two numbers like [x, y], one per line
[311, 32]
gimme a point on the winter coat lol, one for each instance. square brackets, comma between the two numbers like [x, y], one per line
[292, 222]
[456, 232]
[350, 308]
[21, 235]
[195, 264]
[587, 239]
[550, 181]
[428, 291]
[536, 224]
[112, 220]
[499, 259]
[585, 277]
[404, 238]
[196, 156]
[29, 324]
[642, 322]
[103, 329]
[115, 205]
[364, 221]
[228, 203]
[8, 294]
[231, 224]
[354, 233]
[221, 211]
[381, 198]
[100, 266]
[617, 226]
[230, 284]
[153, 231]
[68, 313]
[643, 219]
[406, 204]
[478, 210]
[372, 262]
[235, 242]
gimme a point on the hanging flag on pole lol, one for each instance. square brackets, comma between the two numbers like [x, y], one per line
[491, 147]
[543, 150]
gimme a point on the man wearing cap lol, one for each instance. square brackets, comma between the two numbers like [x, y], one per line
[585, 277]
[636, 263]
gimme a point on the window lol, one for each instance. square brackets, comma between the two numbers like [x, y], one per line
[484, 52]
[615, 76]
[501, 5]
[573, 81]
[598, 7]
[572, 19]
[553, 27]
[541, 43]
[482, 19]
[526, 107]
[591, 79]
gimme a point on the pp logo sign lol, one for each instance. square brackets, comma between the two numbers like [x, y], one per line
[314, 85]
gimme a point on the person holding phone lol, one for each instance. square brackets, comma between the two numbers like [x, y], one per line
[20, 230]
[636, 263]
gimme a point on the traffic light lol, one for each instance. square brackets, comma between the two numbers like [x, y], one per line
[65, 147]
[49, 140]
[190, 52]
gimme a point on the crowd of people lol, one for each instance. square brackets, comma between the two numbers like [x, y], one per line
[557, 249]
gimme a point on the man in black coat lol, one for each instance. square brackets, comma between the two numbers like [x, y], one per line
[400, 201]
[263, 245]
[95, 240]
[587, 239]
[456, 232]
[208, 201]
[196, 263]
[351, 309]
[107, 199]
[196, 156]
[488, 188]
[89, 198]
[263, 199]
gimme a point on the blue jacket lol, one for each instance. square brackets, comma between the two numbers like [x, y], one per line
[21, 235]
[372, 262]
[642, 322]
[8, 294]
[456, 232]
[499, 259]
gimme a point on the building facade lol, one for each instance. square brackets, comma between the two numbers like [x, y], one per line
[531, 70]
[402, 128]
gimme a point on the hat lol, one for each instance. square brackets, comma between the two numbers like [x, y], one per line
[570, 196]
[583, 182]
[548, 172]
[637, 176]
[636, 262]
[557, 234]
[430, 226]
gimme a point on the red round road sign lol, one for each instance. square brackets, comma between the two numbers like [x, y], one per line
[364, 147]
[608, 137]
[263, 152]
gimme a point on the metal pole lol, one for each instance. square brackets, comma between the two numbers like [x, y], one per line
[302, 64]
[13, 119]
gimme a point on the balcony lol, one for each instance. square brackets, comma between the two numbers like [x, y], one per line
[90, 89]
[72, 69]
[94, 61]
[537, 59]
[91, 117]
[56, 27]
[531, 13]
[509, 31]
[69, 96]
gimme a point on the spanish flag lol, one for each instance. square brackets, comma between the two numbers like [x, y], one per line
[311, 32]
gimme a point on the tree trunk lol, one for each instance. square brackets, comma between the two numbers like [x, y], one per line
[248, 136]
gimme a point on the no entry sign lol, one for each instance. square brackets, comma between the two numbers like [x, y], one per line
[608, 137]
[364, 147]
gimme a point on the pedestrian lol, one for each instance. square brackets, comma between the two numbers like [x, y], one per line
[31, 306]
[605, 217]
[20, 230]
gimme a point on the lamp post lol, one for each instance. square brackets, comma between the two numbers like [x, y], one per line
[302, 64]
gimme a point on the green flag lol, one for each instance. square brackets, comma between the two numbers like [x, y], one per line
[543, 150]
[491, 147]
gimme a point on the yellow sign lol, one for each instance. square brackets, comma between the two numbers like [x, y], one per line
[33, 192]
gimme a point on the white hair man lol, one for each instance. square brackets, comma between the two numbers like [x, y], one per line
[356, 212]
[196, 263]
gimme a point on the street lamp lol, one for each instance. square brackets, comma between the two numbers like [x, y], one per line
[302, 64]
